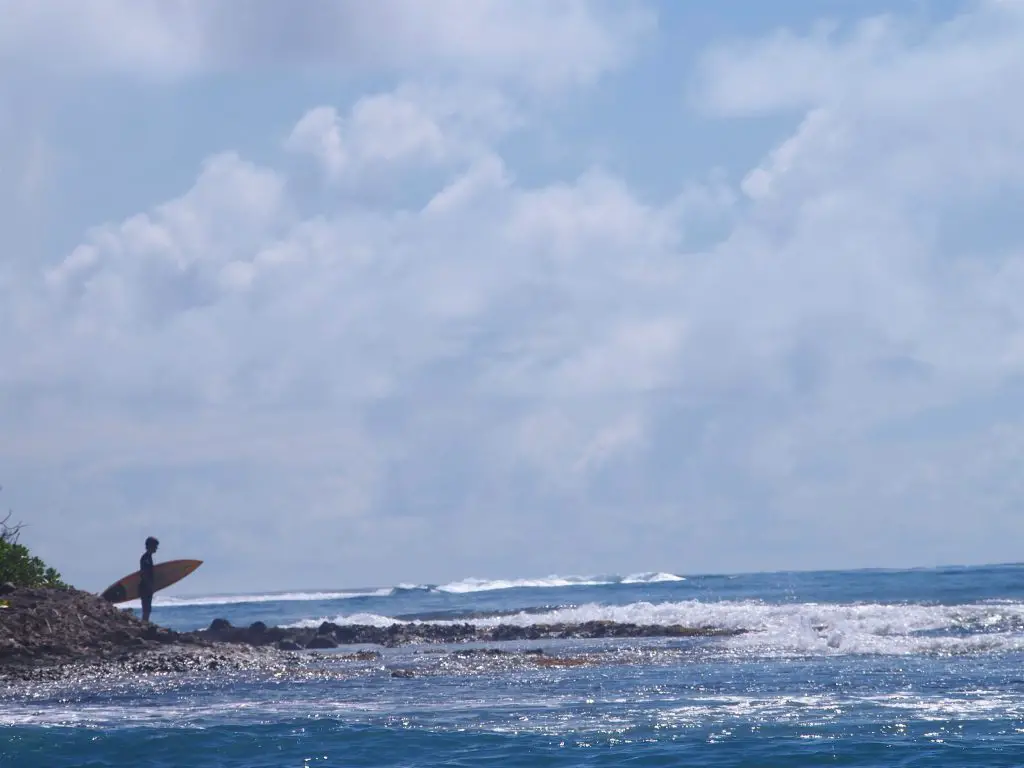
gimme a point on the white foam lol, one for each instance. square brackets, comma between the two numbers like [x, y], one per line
[818, 708]
[651, 578]
[549, 713]
[484, 585]
[372, 619]
[792, 628]
[464, 586]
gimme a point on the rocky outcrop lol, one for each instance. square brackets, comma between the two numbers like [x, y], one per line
[329, 635]
[55, 634]
[48, 627]
[54, 625]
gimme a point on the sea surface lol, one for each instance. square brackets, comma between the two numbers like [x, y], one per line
[861, 668]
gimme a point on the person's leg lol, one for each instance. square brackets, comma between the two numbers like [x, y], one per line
[147, 605]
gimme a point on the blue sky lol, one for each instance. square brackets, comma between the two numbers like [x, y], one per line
[403, 292]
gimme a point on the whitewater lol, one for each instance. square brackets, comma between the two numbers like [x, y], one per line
[874, 667]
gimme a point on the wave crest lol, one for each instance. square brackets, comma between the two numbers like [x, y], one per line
[791, 628]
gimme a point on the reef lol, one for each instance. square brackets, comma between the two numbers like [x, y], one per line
[63, 628]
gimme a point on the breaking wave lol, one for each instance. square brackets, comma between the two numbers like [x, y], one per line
[486, 585]
[465, 586]
[791, 628]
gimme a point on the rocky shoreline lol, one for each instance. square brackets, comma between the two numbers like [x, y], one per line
[49, 629]
[329, 635]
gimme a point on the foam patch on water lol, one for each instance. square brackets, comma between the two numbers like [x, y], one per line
[652, 578]
[486, 585]
[792, 628]
[550, 714]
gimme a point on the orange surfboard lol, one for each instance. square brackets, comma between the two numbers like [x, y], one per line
[164, 574]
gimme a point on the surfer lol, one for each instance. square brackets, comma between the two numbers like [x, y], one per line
[146, 576]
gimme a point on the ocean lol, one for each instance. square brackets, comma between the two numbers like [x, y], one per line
[859, 668]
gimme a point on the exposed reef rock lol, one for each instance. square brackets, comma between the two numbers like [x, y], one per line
[42, 628]
[55, 625]
[329, 635]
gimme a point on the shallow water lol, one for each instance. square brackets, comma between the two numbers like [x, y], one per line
[913, 668]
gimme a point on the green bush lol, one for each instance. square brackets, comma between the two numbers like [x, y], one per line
[18, 565]
[22, 569]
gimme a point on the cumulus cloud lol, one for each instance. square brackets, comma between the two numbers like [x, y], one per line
[491, 363]
[425, 127]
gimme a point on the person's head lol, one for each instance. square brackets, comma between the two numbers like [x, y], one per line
[152, 544]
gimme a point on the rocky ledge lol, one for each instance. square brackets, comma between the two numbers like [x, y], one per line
[53, 627]
[330, 635]
[45, 627]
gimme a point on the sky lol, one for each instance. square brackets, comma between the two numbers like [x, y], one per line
[342, 294]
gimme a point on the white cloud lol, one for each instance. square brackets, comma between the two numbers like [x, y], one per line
[884, 60]
[389, 291]
[493, 360]
[540, 43]
[413, 126]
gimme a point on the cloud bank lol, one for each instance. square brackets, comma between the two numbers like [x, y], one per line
[387, 357]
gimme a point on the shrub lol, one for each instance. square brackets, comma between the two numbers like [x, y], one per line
[19, 566]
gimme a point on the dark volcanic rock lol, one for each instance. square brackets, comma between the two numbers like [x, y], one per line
[479, 652]
[51, 626]
[320, 642]
[48, 627]
[53, 634]
[330, 635]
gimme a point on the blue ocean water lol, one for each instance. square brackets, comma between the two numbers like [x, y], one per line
[864, 668]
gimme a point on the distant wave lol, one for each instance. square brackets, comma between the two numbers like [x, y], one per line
[465, 586]
[486, 585]
[791, 628]
[652, 578]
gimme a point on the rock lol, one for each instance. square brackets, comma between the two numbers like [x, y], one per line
[561, 661]
[402, 673]
[361, 656]
[48, 627]
[52, 626]
[7, 588]
[321, 642]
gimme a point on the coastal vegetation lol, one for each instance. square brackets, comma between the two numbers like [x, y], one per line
[18, 566]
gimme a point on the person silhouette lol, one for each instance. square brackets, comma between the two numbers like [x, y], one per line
[146, 577]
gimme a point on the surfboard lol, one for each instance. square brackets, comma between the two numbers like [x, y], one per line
[164, 574]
